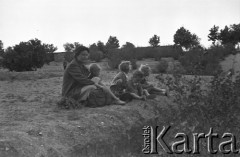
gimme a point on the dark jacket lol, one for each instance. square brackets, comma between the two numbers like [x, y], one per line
[74, 79]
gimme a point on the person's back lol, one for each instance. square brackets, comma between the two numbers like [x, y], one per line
[120, 79]
[119, 82]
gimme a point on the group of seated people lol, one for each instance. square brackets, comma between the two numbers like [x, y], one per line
[80, 80]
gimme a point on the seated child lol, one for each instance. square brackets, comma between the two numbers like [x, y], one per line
[149, 87]
[119, 82]
[95, 70]
[134, 87]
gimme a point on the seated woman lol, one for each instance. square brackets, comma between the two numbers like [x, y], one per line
[76, 83]
[146, 85]
[95, 71]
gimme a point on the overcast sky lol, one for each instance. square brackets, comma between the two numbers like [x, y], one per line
[88, 21]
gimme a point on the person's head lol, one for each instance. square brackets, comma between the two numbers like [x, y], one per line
[95, 69]
[81, 54]
[125, 66]
[137, 76]
[145, 69]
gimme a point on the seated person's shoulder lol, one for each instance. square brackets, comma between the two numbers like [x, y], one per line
[118, 75]
[72, 64]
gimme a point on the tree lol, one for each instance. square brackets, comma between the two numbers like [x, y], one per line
[195, 41]
[101, 47]
[228, 37]
[186, 39]
[235, 29]
[214, 34]
[1, 48]
[49, 48]
[70, 47]
[26, 56]
[95, 53]
[230, 34]
[128, 45]
[154, 41]
[93, 47]
[112, 43]
[225, 35]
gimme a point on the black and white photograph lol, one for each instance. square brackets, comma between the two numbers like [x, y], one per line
[119, 78]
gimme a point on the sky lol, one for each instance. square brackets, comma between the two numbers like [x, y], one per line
[88, 21]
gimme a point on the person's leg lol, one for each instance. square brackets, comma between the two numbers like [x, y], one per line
[127, 97]
[145, 92]
[157, 91]
[148, 95]
[85, 91]
[106, 89]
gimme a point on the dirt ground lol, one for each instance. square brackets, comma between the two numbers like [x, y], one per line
[32, 125]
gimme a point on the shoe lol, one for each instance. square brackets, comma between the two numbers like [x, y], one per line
[151, 96]
[120, 102]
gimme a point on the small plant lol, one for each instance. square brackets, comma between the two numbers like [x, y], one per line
[162, 66]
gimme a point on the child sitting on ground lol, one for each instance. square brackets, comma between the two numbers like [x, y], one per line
[146, 70]
[95, 71]
[134, 87]
[119, 82]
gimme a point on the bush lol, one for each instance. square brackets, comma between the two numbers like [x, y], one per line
[114, 60]
[26, 56]
[134, 63]
[96, 56]
[49, 57]
[147, 52]
[196, 62]
[178, 69]
[162, 66]
[202, 104]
